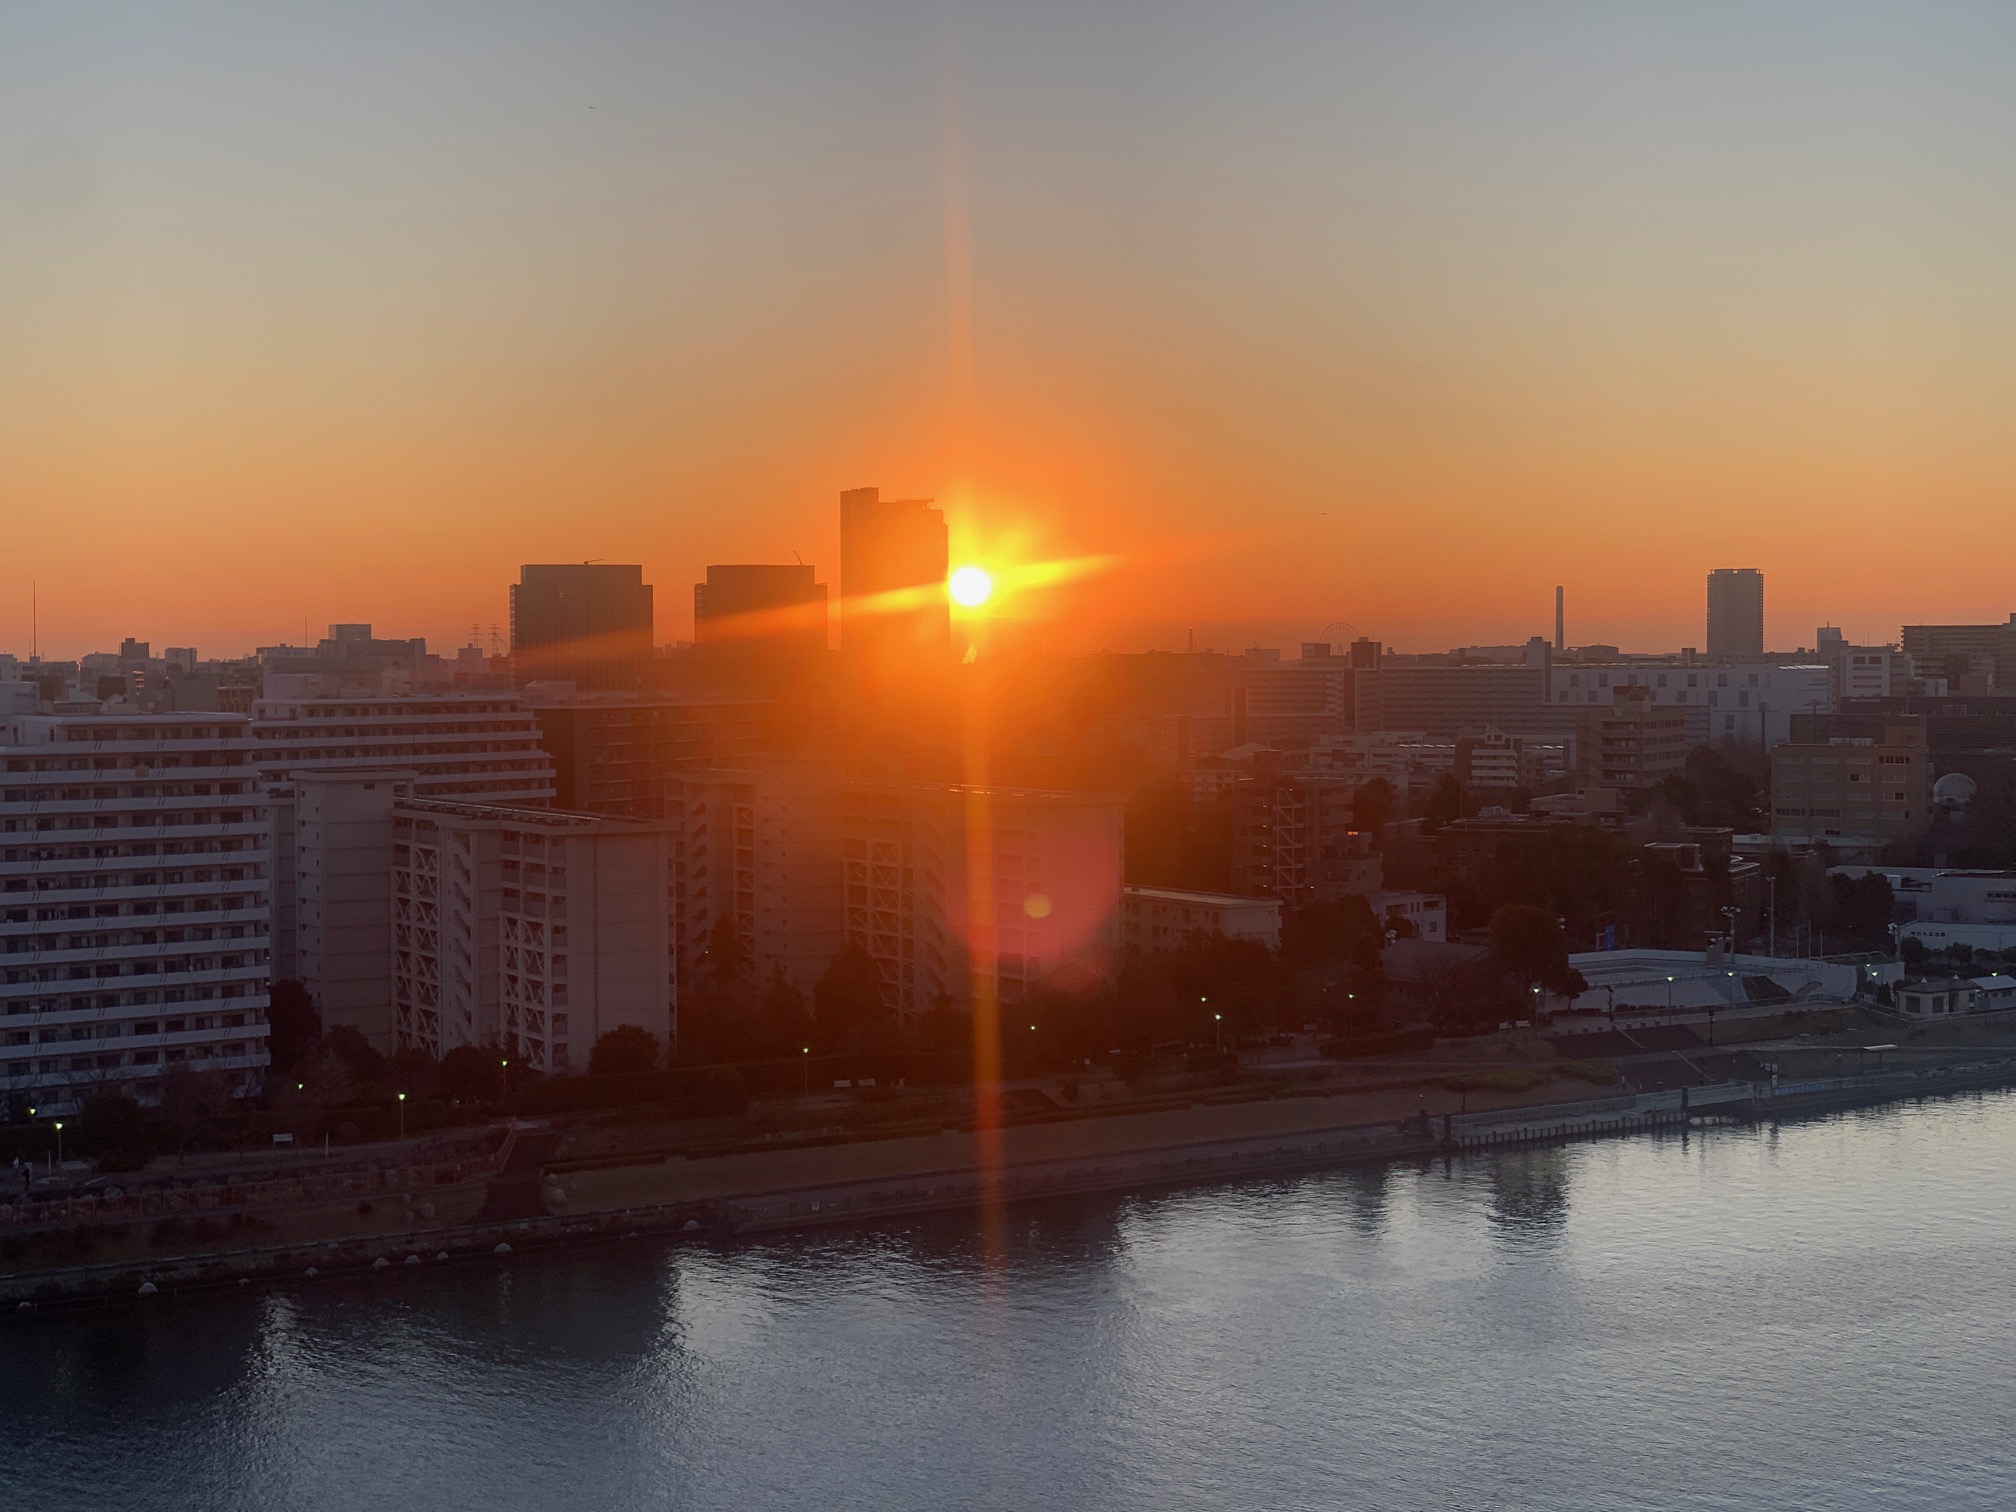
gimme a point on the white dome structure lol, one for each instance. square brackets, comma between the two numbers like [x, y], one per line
[1954, 791]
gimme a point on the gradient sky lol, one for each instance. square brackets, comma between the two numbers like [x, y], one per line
[1396, 314]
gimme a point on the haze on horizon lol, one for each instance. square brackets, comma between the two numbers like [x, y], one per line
[1391, 315]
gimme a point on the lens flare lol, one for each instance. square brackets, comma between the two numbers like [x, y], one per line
[970, 587]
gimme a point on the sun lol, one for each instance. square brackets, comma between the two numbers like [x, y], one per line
[970, 587]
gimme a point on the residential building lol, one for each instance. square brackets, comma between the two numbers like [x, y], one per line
[1855, 782]
[957, 890]
[1975, 659]
[1449, 699]
[133, 905]
[1282, 827]
[1735, 614]
[611, 755]
[1155, 920]
[1492, 762]
[1749, 702]
[483, 747]
[532, 929]
[895, 615]
[760, 847]
[1634, 744]
[588, 623]
[331, 839]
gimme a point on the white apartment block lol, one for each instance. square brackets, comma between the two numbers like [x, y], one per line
[759, 846]
[1159, 919]
[133, 905]
[955, 890]
[480, 747]
[536, 930]
[1747, 701]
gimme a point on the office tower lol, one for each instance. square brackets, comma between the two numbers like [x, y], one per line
[894, 612]
[761, 615]
[1735, 613]
[588, 623]
[133, 905]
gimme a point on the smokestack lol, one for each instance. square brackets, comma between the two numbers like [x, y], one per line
[1560, 621]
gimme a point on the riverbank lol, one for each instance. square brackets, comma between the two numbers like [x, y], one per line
[751, 1193]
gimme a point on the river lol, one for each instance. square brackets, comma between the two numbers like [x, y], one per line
[1816, 1315]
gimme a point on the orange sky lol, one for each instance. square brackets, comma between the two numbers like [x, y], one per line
[1343, 316]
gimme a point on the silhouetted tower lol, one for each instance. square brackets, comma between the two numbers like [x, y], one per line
[894, 613]
[586, 622]
[1735, 613]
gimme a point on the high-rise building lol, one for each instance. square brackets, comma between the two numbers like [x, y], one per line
[759, 848]
[894, 613]
[483, 747]
[613, 757]
[954, 889]
[588, 623]
[532, 929]
[1735, 613]
[133, 905]
[773, 615]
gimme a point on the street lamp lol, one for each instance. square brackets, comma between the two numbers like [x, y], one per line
[402, 1115]
[805, 1066]
[503, 1079]
[1217, 1031]
[59, 1141]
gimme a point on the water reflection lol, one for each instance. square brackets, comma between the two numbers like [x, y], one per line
[1529, 1194]
[1429, 1335]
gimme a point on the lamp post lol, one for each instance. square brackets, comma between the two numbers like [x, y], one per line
[503, 1080]
[805, 1066]
[402, 1115]
[59, 1141]
[1217, 1031]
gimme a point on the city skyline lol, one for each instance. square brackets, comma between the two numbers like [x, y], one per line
[1407, 318]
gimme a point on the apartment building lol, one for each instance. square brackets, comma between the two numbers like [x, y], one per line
[759, 846]
[133, 905]
[1742, 701]
[612, 756]
[955, 890]
[1155, 920]
[1282, 829]
[535, 930]
[481, 747]
[1632, 745]
[1856, 782]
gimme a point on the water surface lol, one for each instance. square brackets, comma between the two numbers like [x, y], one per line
[1813, 1316]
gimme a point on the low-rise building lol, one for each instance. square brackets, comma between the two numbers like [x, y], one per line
[1158, 919]
[1934, 998]
[1411, 915]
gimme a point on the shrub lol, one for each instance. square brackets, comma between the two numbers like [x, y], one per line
[1598, 1073]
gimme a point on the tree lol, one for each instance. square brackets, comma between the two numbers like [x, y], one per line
[1445, 800]
[292, 1027]
[470, 1073]
[787, 1027]
[847, 1000]
[626, 1048]
[116, 1128]
[1372, 806]
[360, 1058]
[1529, 944]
